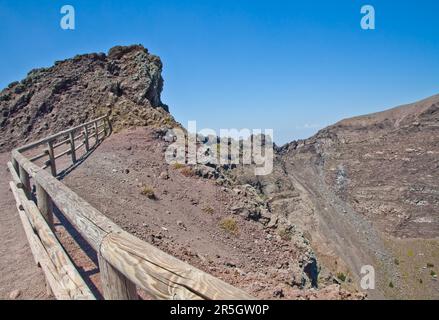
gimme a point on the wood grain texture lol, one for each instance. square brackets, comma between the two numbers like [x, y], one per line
[25, 180]
[90, 223]
[115, 285]
[61, 267]
[161, 275]
[44, 205]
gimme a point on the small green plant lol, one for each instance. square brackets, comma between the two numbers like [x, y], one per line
[148, 192]
[208, 210]
[229, 224]
[396, 261]
[410, 253]
[178, 166]
[167, 121]
[341, 276]
[284, 234]
[391, 285]
[432, 273]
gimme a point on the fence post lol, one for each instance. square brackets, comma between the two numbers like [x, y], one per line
[24, 177]
[96, 132]
[110, 127]
[105, 127]
[51, 158]
[72, 146]
[45, 205]
[87, 146]
[115, 285]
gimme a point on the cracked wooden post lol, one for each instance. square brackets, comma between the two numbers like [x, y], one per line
[51, 158]
[115, 285]
[24, 177]
[72, 146]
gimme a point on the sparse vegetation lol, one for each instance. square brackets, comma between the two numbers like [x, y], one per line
[430, 265]
[396, 261]
[341, 276]
[208, 210]
[229, 224]
[432, 273]
[178, 166]
[148, 192]
[410, 253]
[284, 234]
[187, 172]
[391, 285]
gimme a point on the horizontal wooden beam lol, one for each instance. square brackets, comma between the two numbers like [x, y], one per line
[39, 156]
[162, 275]
[67, 273]
[63, 278]
[57, 135]
[90, 223]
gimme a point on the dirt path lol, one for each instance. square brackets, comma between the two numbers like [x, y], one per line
[17, 266]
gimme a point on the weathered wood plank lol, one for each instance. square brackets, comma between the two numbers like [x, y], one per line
[161, 275]
[90, 223]
[59, 144]
[61, 267]
[23, 162]
[39, 156]
[44, 205]
[55, 136]
[40, 255]
[24, 177]
[115, 285]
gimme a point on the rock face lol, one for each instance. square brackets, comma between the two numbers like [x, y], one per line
[384, 166]
[356, 186]
[126, 84]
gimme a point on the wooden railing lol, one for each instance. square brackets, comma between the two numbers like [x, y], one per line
[125, 262]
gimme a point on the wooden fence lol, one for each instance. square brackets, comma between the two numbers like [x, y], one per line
[125, 262]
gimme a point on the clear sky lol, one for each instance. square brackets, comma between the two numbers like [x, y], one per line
[294, 66]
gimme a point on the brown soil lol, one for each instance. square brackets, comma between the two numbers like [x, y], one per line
[185, 216]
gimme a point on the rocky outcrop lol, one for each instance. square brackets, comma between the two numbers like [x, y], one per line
[126, 84]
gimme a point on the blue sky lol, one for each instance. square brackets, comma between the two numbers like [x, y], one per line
[293, 66]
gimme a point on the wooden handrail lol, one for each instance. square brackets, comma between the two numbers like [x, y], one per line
[124, 260]
[57, 135]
